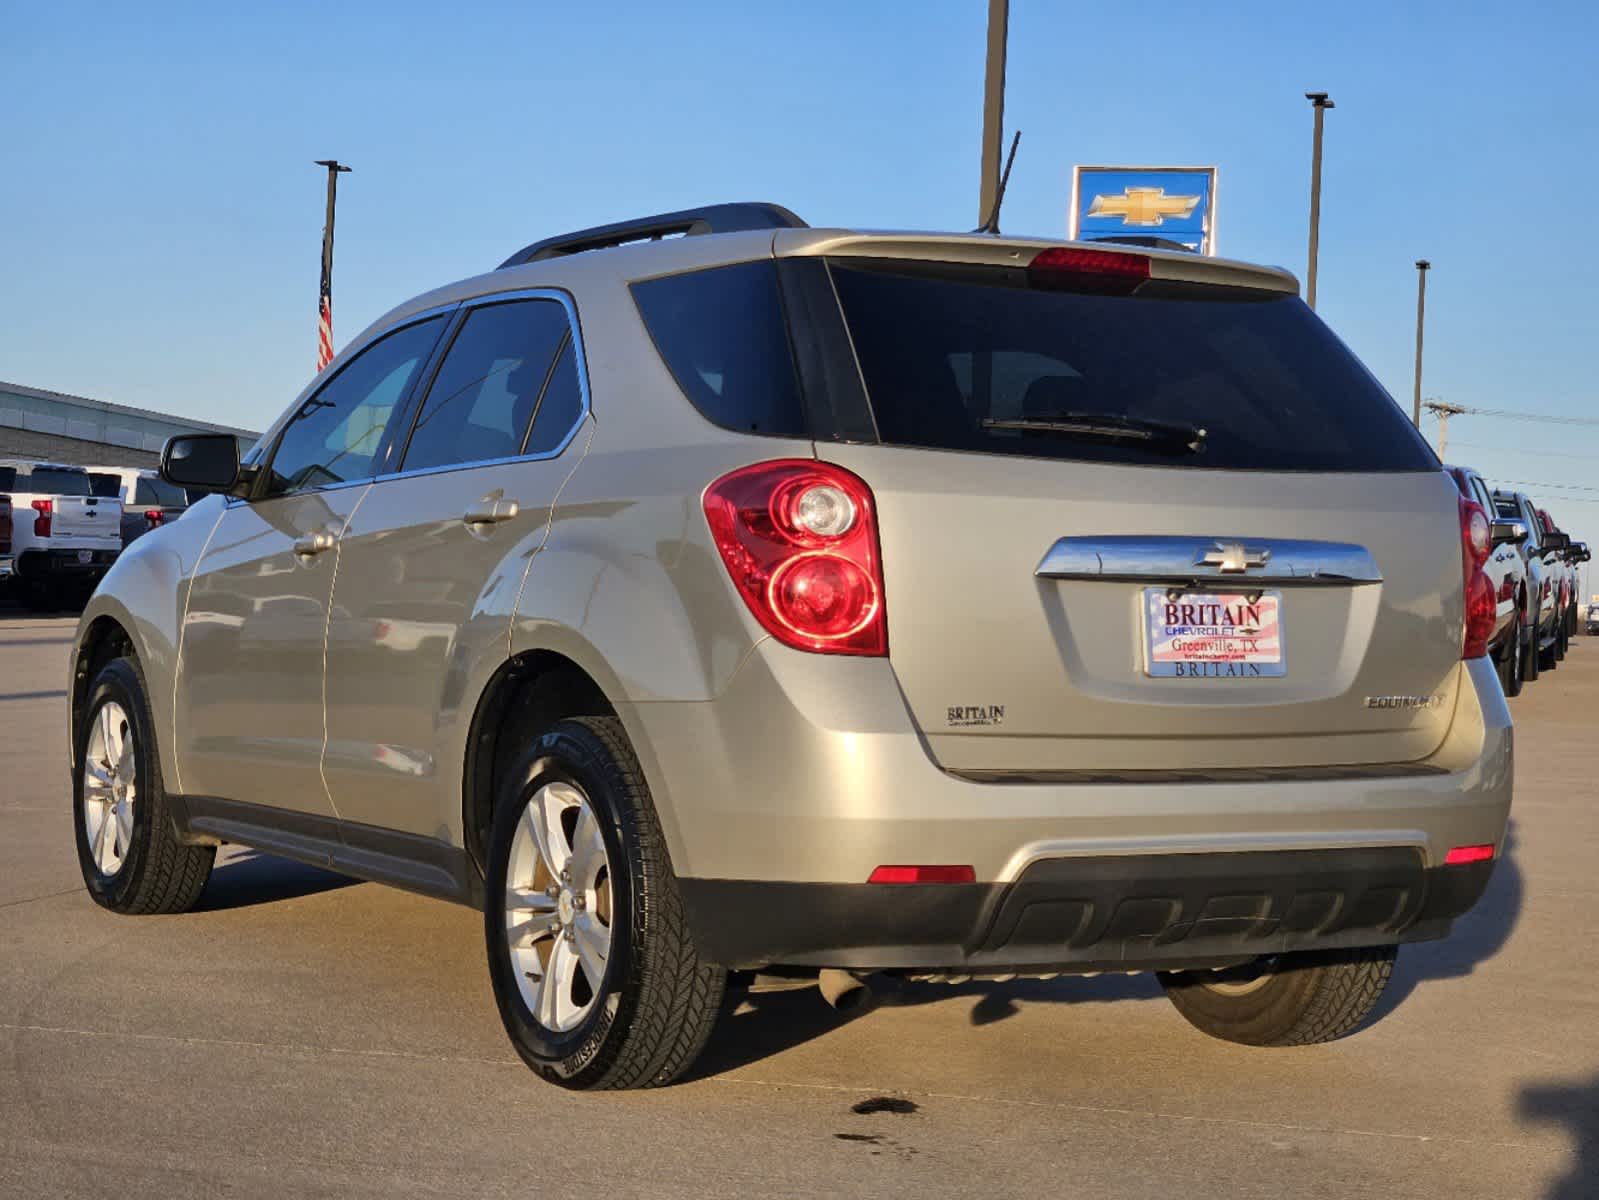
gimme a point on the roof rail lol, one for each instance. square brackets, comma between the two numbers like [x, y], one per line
[717, 218]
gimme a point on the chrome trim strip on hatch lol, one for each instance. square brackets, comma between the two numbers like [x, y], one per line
[1275, 561]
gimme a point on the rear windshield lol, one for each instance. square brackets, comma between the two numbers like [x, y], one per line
[944, 349]
[107, 487]
[159, 493]
[46, 481]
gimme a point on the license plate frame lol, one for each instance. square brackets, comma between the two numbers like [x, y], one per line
[1231, 642]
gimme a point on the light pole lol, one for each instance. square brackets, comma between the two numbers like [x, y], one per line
[324, 317]
[1319, 104]
[993, 107]
[1422, 267]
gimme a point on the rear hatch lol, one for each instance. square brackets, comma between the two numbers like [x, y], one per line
[1134, 524]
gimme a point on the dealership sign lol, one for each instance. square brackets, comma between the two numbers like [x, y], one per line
[1173, 204]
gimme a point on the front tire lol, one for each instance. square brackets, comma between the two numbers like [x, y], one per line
[131, 860]
[1293, 1000]
[595, 974]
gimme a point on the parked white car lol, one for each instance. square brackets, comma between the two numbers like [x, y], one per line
[63, 538]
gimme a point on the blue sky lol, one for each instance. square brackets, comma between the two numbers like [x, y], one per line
[160, 224]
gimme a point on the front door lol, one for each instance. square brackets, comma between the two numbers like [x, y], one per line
[249, 714]
[432, 562]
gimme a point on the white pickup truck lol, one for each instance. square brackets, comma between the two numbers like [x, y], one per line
[63, 538]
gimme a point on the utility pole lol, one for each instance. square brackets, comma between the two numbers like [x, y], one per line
[993, 107]
[1422, 267]
[1320, 104]
[1443, 412]
[324, 321]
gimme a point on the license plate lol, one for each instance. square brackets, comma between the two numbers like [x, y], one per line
[85, 556]
[1213, 635]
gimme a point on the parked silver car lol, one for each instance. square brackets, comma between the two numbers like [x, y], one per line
[949, 605]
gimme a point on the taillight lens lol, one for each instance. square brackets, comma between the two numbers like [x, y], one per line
[1109, 272]
[1462, 856]
[45, 512]
[154, 516]
[1482, 610]
[799, 539]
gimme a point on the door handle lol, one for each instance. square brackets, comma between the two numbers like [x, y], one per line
[490, 512]
[311, 544]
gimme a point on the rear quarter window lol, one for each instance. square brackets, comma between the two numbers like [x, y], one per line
[722, 334]
[944, 349]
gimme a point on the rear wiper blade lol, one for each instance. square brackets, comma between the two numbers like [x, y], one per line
[1104, 425]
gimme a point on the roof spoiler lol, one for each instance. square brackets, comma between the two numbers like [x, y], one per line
[717, 218]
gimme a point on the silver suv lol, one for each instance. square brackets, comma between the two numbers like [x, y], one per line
[941, 604]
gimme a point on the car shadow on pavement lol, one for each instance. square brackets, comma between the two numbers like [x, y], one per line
[1574, 1105]
[250, 877]
[758, 1025]
[1477, 937]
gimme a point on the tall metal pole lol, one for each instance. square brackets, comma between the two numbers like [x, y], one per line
[1320, 104]
[993, 106]
[324, 349]
[1422, 267]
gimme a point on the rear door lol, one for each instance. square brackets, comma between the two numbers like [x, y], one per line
[1177, 529]
[432, 563]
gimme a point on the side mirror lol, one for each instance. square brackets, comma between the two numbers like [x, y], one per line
[1556, 543]
[202, 462]
[1509, 533]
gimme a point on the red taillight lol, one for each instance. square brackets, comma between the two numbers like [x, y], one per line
[154, 516]
[1482, 609]
[1460, 856]
[800, 540]
[1108, 271]
[923, 875]
[41, 523]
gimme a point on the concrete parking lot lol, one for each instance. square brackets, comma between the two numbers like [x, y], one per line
[302, 1034]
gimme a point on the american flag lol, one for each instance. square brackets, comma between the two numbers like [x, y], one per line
[324, 325]
[324, 314]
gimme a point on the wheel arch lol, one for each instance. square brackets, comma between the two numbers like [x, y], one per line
[527, 693]
[102, 638]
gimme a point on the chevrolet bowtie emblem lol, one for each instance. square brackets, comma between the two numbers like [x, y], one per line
[1142, 206]
[1233, 558]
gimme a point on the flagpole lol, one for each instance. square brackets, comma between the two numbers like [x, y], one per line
[324, 351]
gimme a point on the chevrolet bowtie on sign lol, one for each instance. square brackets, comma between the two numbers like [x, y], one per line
[1173, 204]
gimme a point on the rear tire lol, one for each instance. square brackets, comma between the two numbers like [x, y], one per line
[1511, 663]
[131, 860]
[1548, 659]
[1293, 1000]
[594, 971]
[1529, 666]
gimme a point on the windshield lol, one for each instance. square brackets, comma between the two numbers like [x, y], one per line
[961, 358]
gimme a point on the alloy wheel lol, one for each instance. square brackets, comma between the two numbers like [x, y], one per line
[110, 787]
[558, 906]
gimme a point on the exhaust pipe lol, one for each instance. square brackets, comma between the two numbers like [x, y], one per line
[845, 991]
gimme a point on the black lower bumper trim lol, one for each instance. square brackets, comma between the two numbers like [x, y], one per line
[1080, 914]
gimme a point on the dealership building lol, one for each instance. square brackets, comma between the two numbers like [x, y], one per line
[56, 427]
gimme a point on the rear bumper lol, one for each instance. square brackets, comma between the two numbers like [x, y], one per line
[809, 771]
[1128, 912]
[63, 564]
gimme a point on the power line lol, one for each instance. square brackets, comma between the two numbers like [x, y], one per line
[1511, 414]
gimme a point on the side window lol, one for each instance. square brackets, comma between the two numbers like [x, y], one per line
[335, 435]
[1482, 496]
[482, 401]
[722, 334]
[561, 405]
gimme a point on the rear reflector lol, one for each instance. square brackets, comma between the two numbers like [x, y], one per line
[1462, 855]
[923, 875]
[1110, 272]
